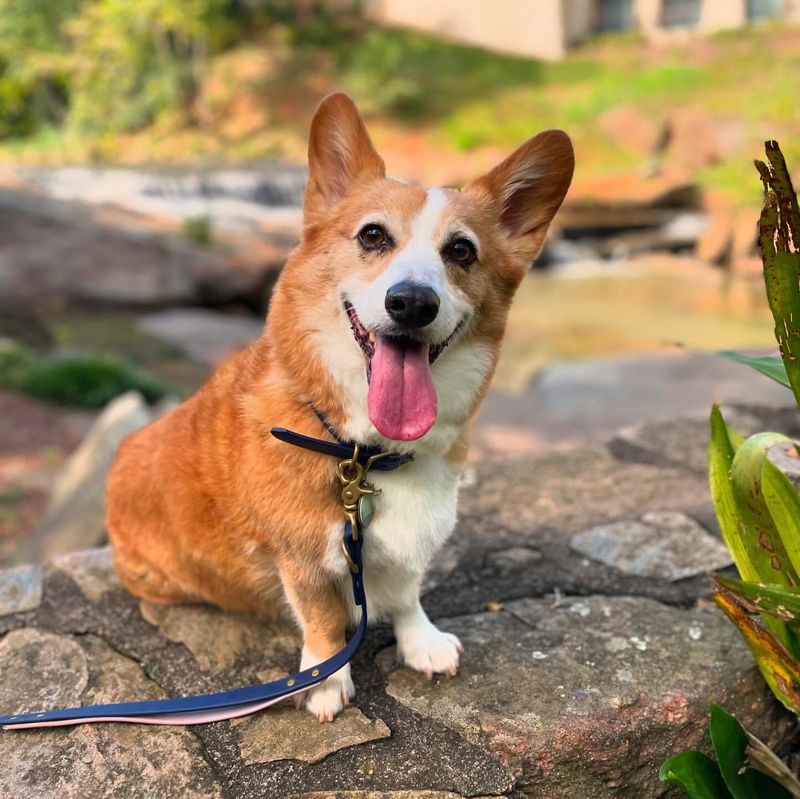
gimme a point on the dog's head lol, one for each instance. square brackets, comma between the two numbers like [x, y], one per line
[390, 314]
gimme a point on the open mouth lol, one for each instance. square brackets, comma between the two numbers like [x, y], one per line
[366, 340]
[402, 400]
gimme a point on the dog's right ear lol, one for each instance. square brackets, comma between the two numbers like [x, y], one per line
[340, 155]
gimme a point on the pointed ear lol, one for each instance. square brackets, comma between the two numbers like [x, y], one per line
[528, 187]
[340, 155]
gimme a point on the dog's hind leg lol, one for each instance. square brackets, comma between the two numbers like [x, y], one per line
[147, 581]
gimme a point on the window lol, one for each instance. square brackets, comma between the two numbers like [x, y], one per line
[614, 15]
[680, 13]
[762, 9]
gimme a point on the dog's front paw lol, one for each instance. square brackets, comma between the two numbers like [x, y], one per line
[429, 650]
[327, 699]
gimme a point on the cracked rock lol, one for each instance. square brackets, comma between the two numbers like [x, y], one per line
[216, 638]
[41, 670]
[92, 571]
[287, 733]
[594, 692]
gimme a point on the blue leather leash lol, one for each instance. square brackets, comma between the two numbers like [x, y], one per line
[355, 463]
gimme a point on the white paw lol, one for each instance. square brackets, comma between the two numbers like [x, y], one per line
[327, 699]
[429, 650]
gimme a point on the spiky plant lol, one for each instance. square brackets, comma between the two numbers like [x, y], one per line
[758, 509]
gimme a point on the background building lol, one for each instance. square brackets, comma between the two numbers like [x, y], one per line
[547, 28]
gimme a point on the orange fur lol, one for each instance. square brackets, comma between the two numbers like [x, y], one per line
[204, 505]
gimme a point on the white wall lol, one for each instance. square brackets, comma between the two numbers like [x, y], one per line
[524, 27]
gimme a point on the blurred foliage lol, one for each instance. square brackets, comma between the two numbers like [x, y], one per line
[109, 66]
[414, 76]
[82, 381]
[198, 229]
[174, 80]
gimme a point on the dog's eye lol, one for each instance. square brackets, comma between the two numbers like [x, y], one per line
[461, 252]
[373, 237]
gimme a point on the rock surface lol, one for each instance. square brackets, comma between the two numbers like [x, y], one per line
[591, 400]
[54, 253]
[608, 681]
[205, 336]
[664, 544]
[75, 516]
[20, 589]
[578, 678]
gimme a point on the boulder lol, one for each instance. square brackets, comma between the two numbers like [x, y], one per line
[580, 675]
[204, 335]
[75, 517]
[54, 254]
[577, 699]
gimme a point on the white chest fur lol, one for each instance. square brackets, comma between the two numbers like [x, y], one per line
[414, 515]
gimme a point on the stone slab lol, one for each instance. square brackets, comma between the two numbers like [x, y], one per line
[204, 335]
[20, 589]
[636, 678]
[91, 569]
[571, 698]
[289, 733]
[217, 639]
[41, 670]
[665, 544]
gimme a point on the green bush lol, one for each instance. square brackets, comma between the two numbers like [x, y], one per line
[413, 75]
[198, 229]
[81, 381]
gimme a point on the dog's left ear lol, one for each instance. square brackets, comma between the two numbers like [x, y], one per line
[527, 189]
[340, 154]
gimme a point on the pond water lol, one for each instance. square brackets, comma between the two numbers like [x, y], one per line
[656, 304]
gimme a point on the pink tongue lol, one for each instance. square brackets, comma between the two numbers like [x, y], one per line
[402, 399]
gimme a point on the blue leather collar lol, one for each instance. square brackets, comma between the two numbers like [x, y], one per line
[241, 701]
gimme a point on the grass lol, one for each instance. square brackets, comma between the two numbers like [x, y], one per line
[263, 92]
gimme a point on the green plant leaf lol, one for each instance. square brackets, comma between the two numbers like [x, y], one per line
[747, 527]
[757, 529]
[720, 460]
[783, 504]
[779, 667]
[777, 600]
[769, 365]
[730, 743]
[778, 240]
[697, 774]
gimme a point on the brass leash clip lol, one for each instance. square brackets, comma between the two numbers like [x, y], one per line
[356, 495]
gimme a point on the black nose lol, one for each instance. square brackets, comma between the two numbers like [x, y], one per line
[412, 305]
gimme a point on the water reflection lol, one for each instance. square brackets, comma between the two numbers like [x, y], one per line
[652, 304]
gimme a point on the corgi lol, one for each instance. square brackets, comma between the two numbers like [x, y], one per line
[387, 319]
